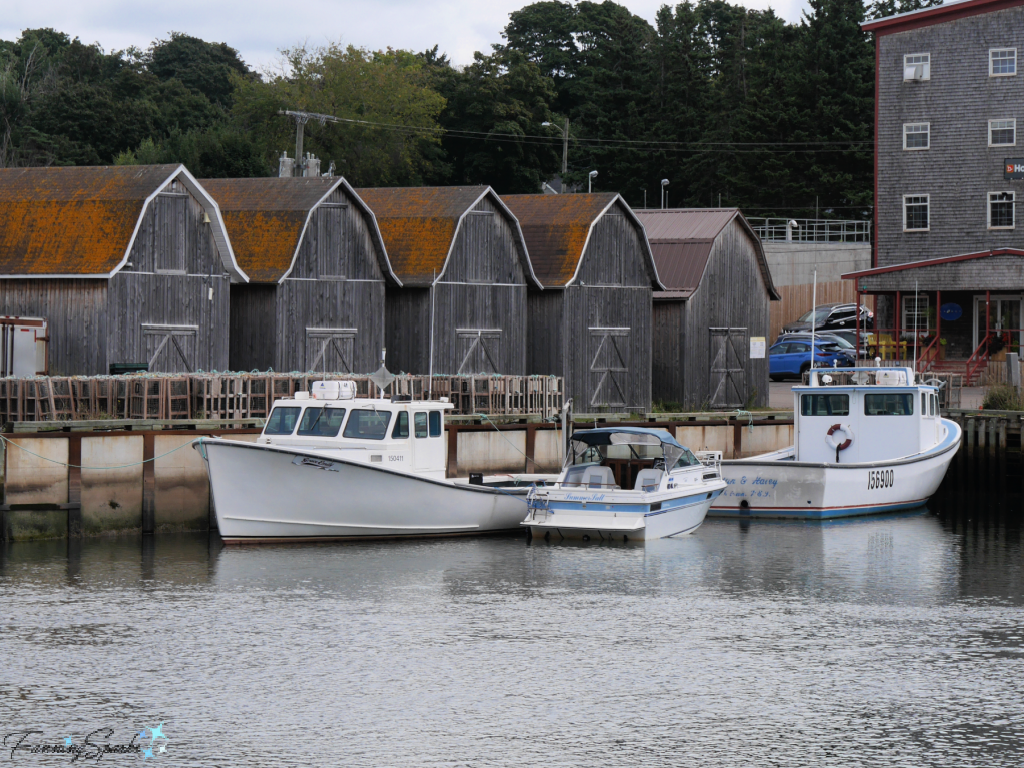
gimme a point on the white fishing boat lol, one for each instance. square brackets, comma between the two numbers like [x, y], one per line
[877, 445]
[624, 484]
[329, 466]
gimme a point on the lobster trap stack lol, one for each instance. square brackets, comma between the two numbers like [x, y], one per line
[201, 396]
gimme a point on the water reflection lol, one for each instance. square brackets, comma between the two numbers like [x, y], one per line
[890, 640]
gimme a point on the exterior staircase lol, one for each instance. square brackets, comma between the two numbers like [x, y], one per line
[958, 366]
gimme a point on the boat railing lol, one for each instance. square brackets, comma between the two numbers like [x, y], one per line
[613, 486]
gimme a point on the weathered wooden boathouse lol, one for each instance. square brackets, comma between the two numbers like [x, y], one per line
[592, 322]
[317, 273]
[127, 264]
[711, 322]
[464, 270]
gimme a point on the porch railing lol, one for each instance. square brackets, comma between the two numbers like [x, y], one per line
[978, 359]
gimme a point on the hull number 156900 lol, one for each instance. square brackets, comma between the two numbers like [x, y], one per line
[880, 478]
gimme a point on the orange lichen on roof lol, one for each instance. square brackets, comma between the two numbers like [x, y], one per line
[72, 221]
[555, 228]
[265, 218]
[418, 225]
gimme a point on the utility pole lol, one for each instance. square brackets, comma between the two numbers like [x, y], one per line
[565, 150]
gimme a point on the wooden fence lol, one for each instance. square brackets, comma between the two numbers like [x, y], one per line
[251, 395]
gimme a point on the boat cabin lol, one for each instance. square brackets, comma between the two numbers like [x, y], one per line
[884, 416]
[626, 458]
[400, 435]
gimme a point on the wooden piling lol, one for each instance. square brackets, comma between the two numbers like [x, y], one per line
[148, 483]
[1002, 454]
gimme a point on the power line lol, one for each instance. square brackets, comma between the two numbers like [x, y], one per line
[635, 144]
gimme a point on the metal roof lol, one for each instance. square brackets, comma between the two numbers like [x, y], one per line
[682, 238]
[419, 225]
[932, 262]
[82, 221]
[923, 17]
[267, 219]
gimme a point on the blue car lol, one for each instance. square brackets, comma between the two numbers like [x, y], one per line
[791, 358]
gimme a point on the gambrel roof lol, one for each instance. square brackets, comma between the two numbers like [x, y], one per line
[268, 217]
[83, 221]
[419, 226]
[557, 230]
[682, 238]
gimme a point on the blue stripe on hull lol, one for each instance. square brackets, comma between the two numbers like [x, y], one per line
[813, 514]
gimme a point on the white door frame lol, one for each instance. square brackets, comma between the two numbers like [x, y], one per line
[994, 298]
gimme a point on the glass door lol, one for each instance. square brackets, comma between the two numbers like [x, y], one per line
[1004, 320]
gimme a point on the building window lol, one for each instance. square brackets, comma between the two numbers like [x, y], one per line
[915, 313]
[916, 135]
[915, 213]
[917, 66]
[1000, 210]
[1002, 62]
[1002, 133]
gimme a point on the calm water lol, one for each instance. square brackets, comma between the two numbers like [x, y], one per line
[887, 641]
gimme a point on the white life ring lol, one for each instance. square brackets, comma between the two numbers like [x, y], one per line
[830, 438]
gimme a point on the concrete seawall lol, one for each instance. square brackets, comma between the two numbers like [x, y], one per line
[148, 480]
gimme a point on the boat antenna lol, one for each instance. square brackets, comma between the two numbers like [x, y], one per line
[814, 315]
[917, 321]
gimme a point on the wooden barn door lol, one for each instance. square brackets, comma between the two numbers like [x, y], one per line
[728, 384]
[478, 350]
[609, 367]
[330, 350]
[171, 348]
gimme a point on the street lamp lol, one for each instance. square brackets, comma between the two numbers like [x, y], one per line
[590, 180]
[565, 146]
[664, 183]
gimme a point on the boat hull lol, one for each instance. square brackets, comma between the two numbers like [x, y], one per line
[792, 489]
[272, 494]
[621, 522]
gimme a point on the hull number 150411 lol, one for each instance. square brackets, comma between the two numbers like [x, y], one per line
[880, 478]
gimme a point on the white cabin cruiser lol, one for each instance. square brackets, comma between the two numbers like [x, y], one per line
[661, 489]
[329, 466]
[879, 445]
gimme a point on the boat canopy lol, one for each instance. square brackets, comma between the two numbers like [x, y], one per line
[625, 436]
[604, 436]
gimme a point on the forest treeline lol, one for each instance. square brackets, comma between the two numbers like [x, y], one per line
[729, 104]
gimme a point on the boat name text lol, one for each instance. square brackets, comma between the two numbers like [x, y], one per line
[581, 497]
[881, 478]
[772, 481]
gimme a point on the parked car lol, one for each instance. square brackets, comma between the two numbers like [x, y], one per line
[832, 316]
[843, 338]
[790, 359]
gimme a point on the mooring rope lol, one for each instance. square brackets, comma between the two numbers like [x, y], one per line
[82, 466]
[750, 418]
[485, 418]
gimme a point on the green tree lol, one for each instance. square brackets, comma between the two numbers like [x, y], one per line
[386, 96]
[202, 67]
[495, 110]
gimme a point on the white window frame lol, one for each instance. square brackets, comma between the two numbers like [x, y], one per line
[927, 75]
[928, 202]
[927, 132]
[990, 62]
[1013, 208]
[1012, 120]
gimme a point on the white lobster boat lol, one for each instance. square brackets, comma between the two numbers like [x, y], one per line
[877, 446]
[328, 466]
[662, 489]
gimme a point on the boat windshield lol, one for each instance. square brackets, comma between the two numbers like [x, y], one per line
[674, 457]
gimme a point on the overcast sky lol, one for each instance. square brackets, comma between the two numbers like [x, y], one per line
[259, 28]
